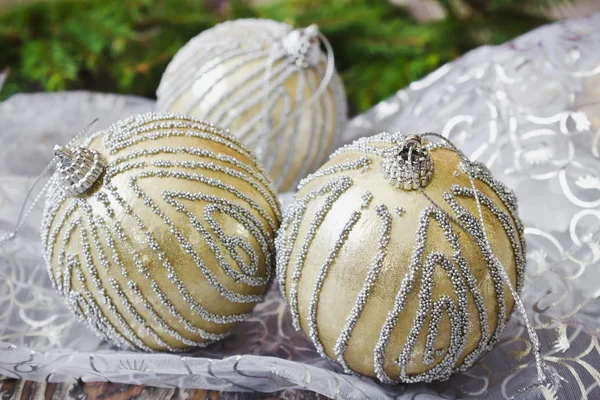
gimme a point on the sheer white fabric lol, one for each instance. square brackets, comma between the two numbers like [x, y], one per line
[530, 109]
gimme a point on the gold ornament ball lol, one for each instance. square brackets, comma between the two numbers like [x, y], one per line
[159, 232]
[383, 281]
[271, 85]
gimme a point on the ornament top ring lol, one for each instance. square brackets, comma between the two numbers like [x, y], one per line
[408, 164]
[78, 167]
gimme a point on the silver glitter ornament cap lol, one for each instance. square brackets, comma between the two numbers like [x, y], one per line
[302, 46]
[78, 167]
[401, 173]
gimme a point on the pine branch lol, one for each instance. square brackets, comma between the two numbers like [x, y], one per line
[124, 45]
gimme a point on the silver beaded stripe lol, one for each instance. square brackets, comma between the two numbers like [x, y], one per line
[82, 302]
[291, 220]
[283, 242]
[103, 297]
[459, 322]
[400, 211]
[49, 237]
[92, 273]
[156, 131]
[366, 197]
[362, 163]
[369, 145]
[69, 259]
[329, 261]
[120, 139]
[504, 218]
[406, 287]
[266, 191]
[191, 176]
[509, 199]
[235, 59]
[210, 166]
[116, 170]
[194, 306]
[245, 218]
[140, 299]
[232, 243]
[335, 188]
[352, 318]
[277, 132]
[444, 304]
[78, 302]
[186, 245]
[473, 286]
[210, 50]
[472, 224]
[475, 292]
[93, 229]
[139, 128]
[509, 195]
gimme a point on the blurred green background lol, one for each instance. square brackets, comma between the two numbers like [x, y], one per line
[123, 46]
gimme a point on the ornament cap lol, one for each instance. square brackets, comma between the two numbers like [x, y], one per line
[407, 174]
[302, 46]
[78, 167]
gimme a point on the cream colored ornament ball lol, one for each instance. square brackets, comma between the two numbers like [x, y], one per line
[386, 265]
[159, 232]
[271, 85]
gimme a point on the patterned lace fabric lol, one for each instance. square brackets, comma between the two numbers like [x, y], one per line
[529, 109]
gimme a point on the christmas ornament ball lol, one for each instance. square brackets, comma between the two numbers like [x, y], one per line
[271, 85]
[385, 262]
[159, 232]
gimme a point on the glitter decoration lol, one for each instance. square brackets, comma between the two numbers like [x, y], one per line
[272, 85]
[171, 245]
[383, 278]
[407, 162]
[79, 168]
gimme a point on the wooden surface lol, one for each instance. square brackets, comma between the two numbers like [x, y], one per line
[11, 389]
